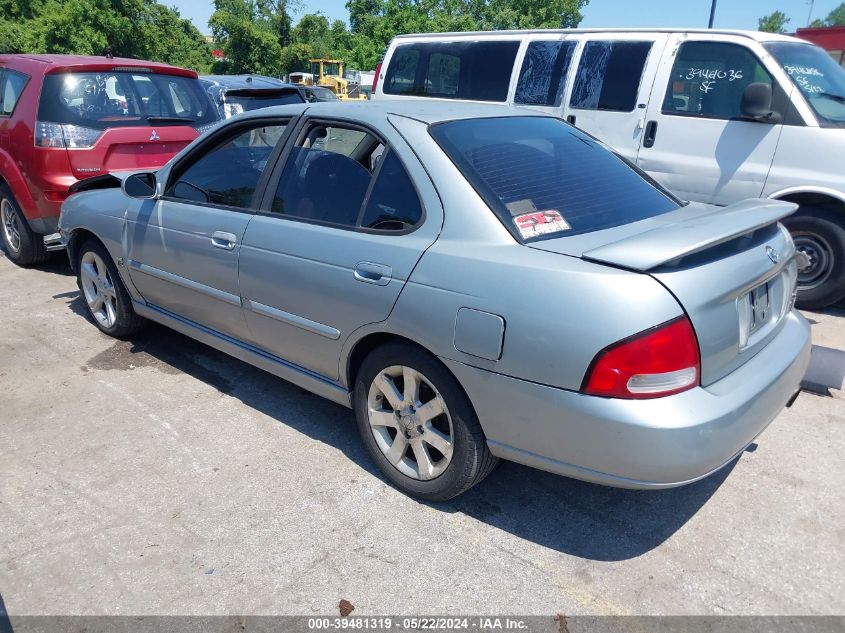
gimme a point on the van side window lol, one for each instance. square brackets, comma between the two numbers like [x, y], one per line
[11, 86]
[609, 76]
[543, 73]
[478, 71]
[708, 80]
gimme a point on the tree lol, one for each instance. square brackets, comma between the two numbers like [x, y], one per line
[128, 28]
[373, 23]
[774, 23]
[834, 18]
[248, 32]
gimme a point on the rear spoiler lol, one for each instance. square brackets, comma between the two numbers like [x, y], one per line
[665, 244]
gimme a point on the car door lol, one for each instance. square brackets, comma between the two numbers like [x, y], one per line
[697, 143]
[612, 86]
[341, 228]
[184, 246]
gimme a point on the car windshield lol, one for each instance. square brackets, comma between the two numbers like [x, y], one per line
[820, 79]
[124, 98]
[545, 179]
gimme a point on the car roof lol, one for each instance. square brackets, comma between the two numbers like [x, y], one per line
[246, 82]
[754, 35]
[376, 112]
[45, 64]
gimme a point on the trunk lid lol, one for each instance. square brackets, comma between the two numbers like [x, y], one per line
[130, 148]
[732, 270]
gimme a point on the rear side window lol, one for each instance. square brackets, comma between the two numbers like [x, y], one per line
[11, 86]
[123, 98]
[393, 204]
[708, 80]
[348, 178]
[545, 179]
[479, 71]
[228, 174]
[609, 76]
[543, 73]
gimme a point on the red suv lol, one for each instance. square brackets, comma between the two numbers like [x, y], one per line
[65, 118]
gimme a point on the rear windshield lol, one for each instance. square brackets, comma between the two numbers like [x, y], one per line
[120, 99]
[479, 71]
[244, 101]
[545, 179]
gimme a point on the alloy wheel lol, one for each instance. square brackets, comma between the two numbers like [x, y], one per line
[98, 288]
[410, 422]
[11, 226]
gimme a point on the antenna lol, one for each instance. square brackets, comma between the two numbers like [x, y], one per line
[810, 15]
[712, 14]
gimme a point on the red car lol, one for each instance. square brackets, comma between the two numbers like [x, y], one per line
[65, 118]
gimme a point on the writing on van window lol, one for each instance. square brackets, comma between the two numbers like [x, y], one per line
[803, 76]
[709, 78]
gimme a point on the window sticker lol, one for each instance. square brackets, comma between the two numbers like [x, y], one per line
[539, 223]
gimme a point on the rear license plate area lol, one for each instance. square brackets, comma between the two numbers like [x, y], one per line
[755, 311]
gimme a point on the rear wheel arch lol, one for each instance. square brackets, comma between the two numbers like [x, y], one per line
[367, 344]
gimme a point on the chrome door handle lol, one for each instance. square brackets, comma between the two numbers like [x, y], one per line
[371, 273]
[224, 240]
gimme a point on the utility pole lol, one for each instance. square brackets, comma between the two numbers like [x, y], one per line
[810, 16]
[712, 14]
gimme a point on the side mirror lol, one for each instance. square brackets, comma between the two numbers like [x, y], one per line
[141, 186]
[757, 103]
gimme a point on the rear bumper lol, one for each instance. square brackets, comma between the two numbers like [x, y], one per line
[656, 443]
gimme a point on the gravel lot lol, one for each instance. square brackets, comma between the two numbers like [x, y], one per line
[162, 477]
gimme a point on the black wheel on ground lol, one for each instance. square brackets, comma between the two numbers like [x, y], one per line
[819, 235]
[106, 298]
[22, 246]
[418, 424]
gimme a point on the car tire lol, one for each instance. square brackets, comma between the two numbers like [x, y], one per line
[22, 246]
[107, 301]
[432, 458]
[819, 234]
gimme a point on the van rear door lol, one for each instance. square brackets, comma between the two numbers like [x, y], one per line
[610, 89]
[700, 147]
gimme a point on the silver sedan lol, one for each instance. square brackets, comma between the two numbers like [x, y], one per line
[476, 282]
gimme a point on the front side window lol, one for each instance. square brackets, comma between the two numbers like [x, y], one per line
[819, 78]
[545, 179]
[123, 98]
[347, 177]
[609, 76]
[479, 71]
[543, 73]
[228, 174]
[11, 86]
[709, 78]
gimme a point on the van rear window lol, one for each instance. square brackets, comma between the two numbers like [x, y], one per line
[545, 179]
[119, 99]
[479, 71]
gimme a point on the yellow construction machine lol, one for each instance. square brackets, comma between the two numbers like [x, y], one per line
[329, 73]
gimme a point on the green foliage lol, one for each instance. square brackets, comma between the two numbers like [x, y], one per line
[774, 23]
[373, 23]
[141, 29]
[835, 17]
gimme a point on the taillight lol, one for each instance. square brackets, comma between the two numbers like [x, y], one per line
[57, 135]
[658, 362]
[375, 77]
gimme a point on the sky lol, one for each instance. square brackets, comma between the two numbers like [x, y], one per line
[730, 14]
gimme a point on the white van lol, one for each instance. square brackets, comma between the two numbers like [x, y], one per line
[715, 116]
